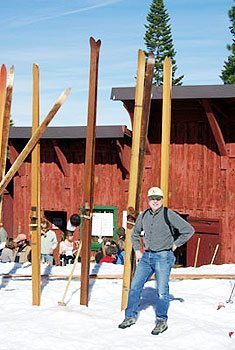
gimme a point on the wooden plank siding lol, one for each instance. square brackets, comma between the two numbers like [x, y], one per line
[65, 193]
[201, 181]
[201, 185]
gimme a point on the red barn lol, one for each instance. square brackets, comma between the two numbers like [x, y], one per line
[202, 164]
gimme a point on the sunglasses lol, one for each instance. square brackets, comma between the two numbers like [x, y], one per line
[157, 198]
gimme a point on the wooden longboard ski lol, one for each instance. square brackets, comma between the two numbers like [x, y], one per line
[35, 229]
[144, 124]
[166, 127]
[6, 125]
[3, 81]
[134, 166]
[140, 130]
[33, 140]
[89, 171]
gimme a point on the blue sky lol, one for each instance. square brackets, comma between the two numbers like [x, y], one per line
[55, 34]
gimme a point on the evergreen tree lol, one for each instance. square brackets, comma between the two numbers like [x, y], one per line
[158, 39]
[228, 73]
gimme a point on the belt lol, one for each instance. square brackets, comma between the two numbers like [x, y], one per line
[157, 251]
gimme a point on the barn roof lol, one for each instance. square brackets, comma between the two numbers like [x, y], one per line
[71, 132]
[179, 92]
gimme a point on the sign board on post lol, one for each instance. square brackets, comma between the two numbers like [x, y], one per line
[102, 224]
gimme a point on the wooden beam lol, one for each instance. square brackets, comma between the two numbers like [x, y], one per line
[134, 169]
[215, 128]
[182, 276]
[35, 228]
[6, 127]
[3, 81]
[166, 127]
[33, 141]
[144, 124]
[89, 171]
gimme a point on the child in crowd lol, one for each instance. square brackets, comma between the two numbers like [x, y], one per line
[101, 253]
[8, 251]
[110, 255]
[67, 249]
[120, 256]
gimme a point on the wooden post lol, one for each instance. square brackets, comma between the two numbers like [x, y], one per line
[33, 141]
[166, 127]
[134, 168]
[144, 124]
[3, 80]
[197, 251]
[35, 195]
[89, 171]
[214, 255]
[6, 126]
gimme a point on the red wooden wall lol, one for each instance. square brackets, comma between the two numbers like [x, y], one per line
[201, 181]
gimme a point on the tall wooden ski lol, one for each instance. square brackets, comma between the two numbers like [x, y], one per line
[166, 127]
[35, 195]
[134, 169]
[33, 140]
[6, 126]
[3, 80]
[89, 171]
[144, 124]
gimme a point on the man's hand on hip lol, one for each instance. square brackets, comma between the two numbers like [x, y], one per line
[138, 255]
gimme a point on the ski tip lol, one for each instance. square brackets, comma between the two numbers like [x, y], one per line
[167, 60]
[12, 69]
[35, 65]
[3, 69]
[95, 43]
[10, 76]
[151, 58]
[3, 76]
[63, 96]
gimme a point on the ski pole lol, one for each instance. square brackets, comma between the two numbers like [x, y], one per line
[229, 301]
[62, 303]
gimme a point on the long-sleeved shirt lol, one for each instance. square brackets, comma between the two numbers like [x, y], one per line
[7, 255]
[48, 242]
[156, 233]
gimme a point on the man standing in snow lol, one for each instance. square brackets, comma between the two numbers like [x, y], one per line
[158, 257]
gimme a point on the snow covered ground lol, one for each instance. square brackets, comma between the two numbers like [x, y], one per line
[194, 321]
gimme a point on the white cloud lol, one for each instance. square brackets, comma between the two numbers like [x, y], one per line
[35, 19]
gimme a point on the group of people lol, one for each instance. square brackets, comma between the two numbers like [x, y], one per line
[111, 251]
[153, 242]
[19, 250]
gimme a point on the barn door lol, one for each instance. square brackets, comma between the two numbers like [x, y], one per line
[208, 230]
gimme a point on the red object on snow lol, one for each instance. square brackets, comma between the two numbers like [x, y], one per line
[230, 334]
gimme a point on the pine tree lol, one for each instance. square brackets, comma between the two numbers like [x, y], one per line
[158, 39]
[228, 73]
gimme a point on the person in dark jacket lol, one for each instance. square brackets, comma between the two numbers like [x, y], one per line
[158, 257]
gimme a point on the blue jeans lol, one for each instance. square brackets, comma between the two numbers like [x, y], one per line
[47, 258]
[159, 263]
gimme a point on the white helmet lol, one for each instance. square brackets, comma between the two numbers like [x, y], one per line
[155, 191]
